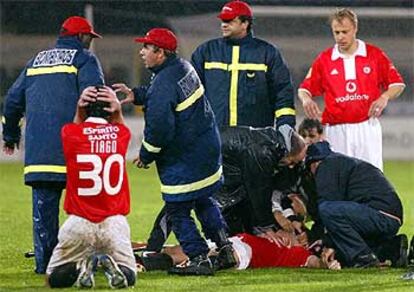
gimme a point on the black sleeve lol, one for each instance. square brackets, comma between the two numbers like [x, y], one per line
[139, 94]
[258, 180]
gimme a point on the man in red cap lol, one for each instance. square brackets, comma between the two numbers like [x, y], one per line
[81, 28]
[182, 138]
[46, 94]
[246, 79]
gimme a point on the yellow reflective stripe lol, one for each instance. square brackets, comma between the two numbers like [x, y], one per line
[150, 148]
[248, 66]
[235, 66]
[284, 112]
[3, 121]
[233, 86]
[191, 187]
[234, 69]
[190, 100]
[44, 168]
[215, 65]
[51, 70]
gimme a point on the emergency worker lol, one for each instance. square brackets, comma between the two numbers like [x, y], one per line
[182, 138]
[246, 79]
[46, 93]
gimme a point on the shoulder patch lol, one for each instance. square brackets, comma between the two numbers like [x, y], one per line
[54, 57]
[189, 83]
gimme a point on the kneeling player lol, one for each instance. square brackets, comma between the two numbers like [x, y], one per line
[96, 232]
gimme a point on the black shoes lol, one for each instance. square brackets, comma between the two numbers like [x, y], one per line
[394, 251]
[400, 259]
[411, 253]
[225, 258]
[153, 261]
[366, 261]
[197, 266]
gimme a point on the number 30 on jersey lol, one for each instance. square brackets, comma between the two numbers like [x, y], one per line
[100, 174]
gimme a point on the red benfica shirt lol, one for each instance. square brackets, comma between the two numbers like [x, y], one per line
[267, 254]
[350, 84]
[97, 184]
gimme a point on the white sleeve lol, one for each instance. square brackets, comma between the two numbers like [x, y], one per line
[276, 201]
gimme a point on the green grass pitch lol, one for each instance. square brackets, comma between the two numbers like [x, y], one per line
[16, 272]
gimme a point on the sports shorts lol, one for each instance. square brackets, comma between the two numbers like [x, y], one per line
[79, 238]
[360, 140]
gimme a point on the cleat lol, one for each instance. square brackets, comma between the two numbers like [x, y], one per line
[366, 261]
[401, 246]
[225, 258]
[411, 253]
[197, 266]
[116, 278]
[88, 268]
[156, 261]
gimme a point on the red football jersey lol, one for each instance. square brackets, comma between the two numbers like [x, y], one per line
[350, 84]
[97, 184]
[267, 254]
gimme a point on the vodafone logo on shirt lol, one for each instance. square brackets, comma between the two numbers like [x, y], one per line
[350, 88]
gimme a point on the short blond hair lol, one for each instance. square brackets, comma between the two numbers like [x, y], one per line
[341, 13]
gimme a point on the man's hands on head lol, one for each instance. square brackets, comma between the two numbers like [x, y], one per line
[106, 94]
[88, 95]
[103, 93]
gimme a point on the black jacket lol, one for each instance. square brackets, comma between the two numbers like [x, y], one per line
[342, 178]
[247, 82]
[251, 159]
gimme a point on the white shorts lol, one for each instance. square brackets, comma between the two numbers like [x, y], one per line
[361, 140]
[79, 238]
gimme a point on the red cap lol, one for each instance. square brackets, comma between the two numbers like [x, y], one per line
[161, 37]
[234, 9]
[76, 24]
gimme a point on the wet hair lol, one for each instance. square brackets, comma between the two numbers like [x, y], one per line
[308, 124]
[249, 19]
[341, 13]
[96, 109]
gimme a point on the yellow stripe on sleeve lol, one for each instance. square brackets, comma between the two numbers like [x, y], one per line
[44, 168]
[285, 112]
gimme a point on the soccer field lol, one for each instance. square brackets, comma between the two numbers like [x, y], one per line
[16, 272]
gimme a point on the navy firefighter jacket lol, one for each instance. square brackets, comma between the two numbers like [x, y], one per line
[247, 82]
[180, 133]
[46, 93]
